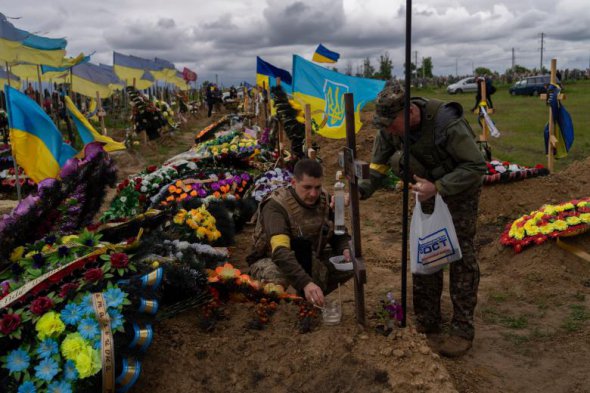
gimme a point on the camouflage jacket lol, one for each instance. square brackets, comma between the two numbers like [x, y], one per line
[443, 150]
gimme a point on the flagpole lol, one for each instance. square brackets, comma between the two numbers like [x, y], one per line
[18, 188]
[405, 201]
[40, 86]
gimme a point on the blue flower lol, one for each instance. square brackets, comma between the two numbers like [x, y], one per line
[116, 319]
[71, 314]
[17, 360]
[27, 387]
[114, 297]
[59, 387]
[47, 348]
[88, 328]
[47, 369]
[70, 372]
[86, 307]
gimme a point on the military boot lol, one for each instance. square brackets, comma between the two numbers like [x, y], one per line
[455, 346]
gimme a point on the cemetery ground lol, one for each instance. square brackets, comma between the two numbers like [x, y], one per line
[532, 319]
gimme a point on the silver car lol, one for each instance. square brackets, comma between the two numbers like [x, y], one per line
[464, 85]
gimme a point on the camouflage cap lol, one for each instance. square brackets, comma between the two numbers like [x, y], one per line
[389, 103]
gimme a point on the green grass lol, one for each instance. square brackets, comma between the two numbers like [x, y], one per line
[578, 316]
[521, 120]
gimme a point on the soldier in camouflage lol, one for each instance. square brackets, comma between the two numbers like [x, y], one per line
[293, 229]
[445, 159]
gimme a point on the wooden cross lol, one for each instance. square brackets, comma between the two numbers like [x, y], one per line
[483, 103]
[309, 151]
[101, 113]
[355, 170]
[552, 129]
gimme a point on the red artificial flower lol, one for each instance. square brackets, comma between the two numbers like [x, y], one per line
[138, 180]
[95, 274]
[9, 323]
[151, 168]
[41, 305]
[142, 198]
[66, 289]
[119, 260]
[539, 166]
[120, 187]
[137, 187]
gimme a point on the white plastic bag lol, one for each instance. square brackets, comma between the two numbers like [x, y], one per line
[433, 240]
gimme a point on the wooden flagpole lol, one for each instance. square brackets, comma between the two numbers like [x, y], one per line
[18, 188]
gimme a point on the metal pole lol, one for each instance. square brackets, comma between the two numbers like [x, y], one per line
[407, 179]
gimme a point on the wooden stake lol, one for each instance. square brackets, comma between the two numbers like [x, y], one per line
[552, 138]
[100, 113]
[311, 153]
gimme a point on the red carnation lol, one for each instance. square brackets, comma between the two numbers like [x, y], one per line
[137, 187]
[9, 323]
[119, 260]
[138, 180]
[95, 274]
[151, 168]
[66, 289]
[142, 198]
[120, 186]
[41, 305]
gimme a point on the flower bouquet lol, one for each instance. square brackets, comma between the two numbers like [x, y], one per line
[504, 172]
[8, 180]
[550, 221]
[210, 130]
[270, 181]
[197, 224]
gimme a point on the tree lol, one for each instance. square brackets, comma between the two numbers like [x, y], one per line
[426, 69]
[482, 71]
[348, 69]
[385, 67]
[368, 69]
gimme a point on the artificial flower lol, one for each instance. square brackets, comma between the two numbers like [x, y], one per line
[47, 348]
[71, 314]
[89, 328]
[67, 289]
[17, 360]
[119, 260]
[93, 275]
[72, 345]
[59, 387]
[27, 387]
[46, 369]
[9, 323]
[88, 362]
[17, 254]
[114, 297]
[41, 305]
[70, 372]
[49, 325]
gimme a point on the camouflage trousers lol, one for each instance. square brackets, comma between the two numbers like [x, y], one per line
[464, 274]
[323, 274]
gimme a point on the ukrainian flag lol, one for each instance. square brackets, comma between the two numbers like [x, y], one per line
[87, 133]
[324, 90]
[18, 45]
[14, 80]
[324, 55]
[89, 79]
[268, 73]
[37, 144]
[130, 68]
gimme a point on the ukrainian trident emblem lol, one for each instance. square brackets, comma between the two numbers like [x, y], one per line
[334, 98]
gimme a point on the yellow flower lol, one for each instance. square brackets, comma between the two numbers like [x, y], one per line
[519, 233]
[585, 217]
[547, 229]
[549, 209]
[582, 204]
[201, 232]
[69, 239]
[88, 362]
[532, 230]
[567, 206]
[49, 325]
[192, 224]
[72, 345]
[560, 225]
[17, 254]
[47, 247]
[180, 217]
[573, 220]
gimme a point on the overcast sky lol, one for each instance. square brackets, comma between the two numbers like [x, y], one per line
[223, 37]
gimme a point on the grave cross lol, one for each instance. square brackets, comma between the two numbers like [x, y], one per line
[354, 170]
[552, 143]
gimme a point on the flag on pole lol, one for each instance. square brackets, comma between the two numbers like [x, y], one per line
[562, 119]
[37, 144]
[324, 90]
[268, 73]
[188, 75]
[86, 130]
[324, 55]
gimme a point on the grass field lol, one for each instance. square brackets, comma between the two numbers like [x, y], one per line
[521, 120]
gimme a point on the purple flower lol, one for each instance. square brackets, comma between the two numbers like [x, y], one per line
[70, 168]
[38, 260]
[215, 186]
[245, 176]
[26, 205]
[202, 193]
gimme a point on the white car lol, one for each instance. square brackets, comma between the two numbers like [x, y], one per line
[464, 85]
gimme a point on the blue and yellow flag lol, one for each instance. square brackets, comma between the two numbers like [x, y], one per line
[324, 55]
[37, 144]
[18, 45]
[14, 80]
[324, 90]
[132, 68]
[87, 132]
[268, 73]
[563, 120]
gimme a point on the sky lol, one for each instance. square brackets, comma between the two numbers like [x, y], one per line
[220, 39]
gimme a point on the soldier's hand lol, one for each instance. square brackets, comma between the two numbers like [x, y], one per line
[424, 188]
[314, 294]
[346, 255]
[346, 200]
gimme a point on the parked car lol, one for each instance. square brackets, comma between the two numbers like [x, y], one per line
[464, 85]
[531, 86]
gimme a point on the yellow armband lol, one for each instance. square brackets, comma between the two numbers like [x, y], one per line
[280, 241]
[381, 168]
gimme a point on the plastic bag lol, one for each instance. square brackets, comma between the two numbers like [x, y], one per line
[433, 240]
